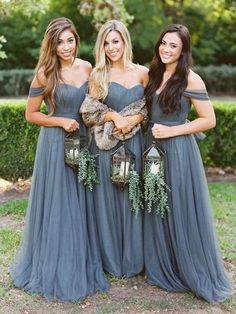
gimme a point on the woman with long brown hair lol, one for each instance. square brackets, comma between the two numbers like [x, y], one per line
[58, 257]
[180, 249]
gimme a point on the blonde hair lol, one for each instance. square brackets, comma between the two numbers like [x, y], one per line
[48, 62]
[98, 83]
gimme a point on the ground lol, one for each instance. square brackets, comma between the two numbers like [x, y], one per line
[130, 296]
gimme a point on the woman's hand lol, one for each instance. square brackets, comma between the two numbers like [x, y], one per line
[135, 119]
[122, 124]
[132, 120]
[162, 131]
[69, 125]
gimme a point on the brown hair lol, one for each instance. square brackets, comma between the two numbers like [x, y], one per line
[170, 97]
[48, 61]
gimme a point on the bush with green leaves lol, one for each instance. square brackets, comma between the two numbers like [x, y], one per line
[18, 140]
[219, 146]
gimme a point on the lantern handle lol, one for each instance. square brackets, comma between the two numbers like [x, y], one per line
[154, 144]
[123, 140]
[73, 133]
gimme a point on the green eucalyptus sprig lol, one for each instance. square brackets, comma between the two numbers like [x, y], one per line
[155, 190]
[87, 171]
[135, 193]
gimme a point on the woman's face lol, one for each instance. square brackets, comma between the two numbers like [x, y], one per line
[114, 46]
[170, 48]
[66, 46]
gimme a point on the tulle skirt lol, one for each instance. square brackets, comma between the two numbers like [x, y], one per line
[181, 250]
[58, 256]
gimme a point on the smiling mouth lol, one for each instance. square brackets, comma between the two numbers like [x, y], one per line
[113, 54]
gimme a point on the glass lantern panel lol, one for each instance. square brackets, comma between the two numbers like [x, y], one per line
[121, 165]
[72, 149]
[153, 152]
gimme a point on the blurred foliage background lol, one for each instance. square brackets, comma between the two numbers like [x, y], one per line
[212, 26]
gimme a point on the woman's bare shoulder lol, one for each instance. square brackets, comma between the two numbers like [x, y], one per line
[86, 65]
[39, 79]
[143, 73]
[195, 81]
[142, 69]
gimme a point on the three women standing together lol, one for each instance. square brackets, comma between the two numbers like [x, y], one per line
[72, 234]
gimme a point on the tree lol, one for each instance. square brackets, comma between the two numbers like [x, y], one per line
[212, 26]
[148, 21]
[23, 14]
[103, 10]
[2, 53]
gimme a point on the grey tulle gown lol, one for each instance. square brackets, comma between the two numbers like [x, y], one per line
[58, 255]
[181, 249]
[120, 231]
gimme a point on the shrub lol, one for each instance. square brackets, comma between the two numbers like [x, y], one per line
[18, 142]
[219, 146]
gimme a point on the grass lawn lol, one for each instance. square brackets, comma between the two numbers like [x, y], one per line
[131, 296]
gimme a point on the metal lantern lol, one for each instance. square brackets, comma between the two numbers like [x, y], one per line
[73, 144]
[122, 162]
[153, 159]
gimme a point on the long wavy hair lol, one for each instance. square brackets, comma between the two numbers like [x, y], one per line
[49, 62]
[170, 97]
[98, 83]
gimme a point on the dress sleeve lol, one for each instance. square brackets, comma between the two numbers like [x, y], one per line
[197, 94]
[36, 91]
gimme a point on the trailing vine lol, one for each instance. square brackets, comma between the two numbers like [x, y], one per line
[87, 170]
[134, 186]
[135, 193]
[155, 190]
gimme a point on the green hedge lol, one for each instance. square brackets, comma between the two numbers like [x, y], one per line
[18, 140]
[218, 79]
[219, 146]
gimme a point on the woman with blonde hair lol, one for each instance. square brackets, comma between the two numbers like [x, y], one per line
[114, 111]
[58, 257]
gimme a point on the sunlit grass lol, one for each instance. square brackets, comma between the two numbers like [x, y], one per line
[16, 207]
[223, 196]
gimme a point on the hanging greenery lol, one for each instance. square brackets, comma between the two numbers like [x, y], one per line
[87, 171]
[155, 190]
[135, 192]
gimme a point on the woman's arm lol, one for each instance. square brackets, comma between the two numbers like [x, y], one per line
[33, 114]
[122, 124]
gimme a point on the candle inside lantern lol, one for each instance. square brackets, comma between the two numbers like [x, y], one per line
[155, 168]
[71, 153]
[124, 168]
[76, 152]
